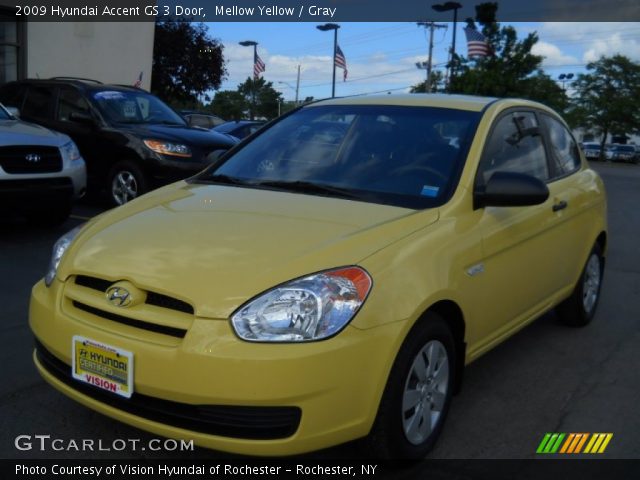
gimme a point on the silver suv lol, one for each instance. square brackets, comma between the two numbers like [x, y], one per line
[41, 171]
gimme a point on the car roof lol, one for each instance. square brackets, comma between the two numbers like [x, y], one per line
[84, 83]
[438, 100]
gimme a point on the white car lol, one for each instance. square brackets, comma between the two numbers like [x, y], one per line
[41, 171]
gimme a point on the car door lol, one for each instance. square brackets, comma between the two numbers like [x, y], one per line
[519, 271]
[568, 188]
[72, 114]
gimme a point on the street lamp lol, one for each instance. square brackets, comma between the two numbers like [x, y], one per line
[326, 27]
[445, 7]
[565, 77]
[251, 43]
[292, 88]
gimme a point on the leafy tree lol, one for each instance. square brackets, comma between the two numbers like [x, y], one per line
[510, 70]
[262, 99]
[187, 63]
[229, 104]
[437, 84]
[608, 97]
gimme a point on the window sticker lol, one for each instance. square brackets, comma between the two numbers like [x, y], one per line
[108, 95]
[429, 191]
[129, 109]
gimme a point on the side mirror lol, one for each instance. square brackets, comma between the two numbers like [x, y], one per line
[510, 189]
[13, 111]
[83, 118]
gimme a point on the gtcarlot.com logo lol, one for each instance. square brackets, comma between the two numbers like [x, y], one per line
[574, 443]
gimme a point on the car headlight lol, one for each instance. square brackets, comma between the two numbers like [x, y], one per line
[167, 148]
[70, 151]
[306, 309]
[59, 248]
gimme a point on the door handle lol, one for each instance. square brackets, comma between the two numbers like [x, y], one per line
[559, 206]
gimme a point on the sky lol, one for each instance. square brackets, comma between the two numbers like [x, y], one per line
[381, 57]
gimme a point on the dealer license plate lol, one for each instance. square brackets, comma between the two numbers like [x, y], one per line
[102, 366]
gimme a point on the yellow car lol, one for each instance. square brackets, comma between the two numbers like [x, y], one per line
[329, 278]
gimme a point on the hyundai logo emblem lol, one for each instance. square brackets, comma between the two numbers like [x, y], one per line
[32, 157]
[118, 296]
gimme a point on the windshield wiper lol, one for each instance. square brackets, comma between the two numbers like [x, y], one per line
[224, 179]
[307, 187]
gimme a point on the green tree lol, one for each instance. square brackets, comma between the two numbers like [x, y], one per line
[607, 97]
[437, 84]
[262, 99]
[229, 104]
[187, 63]
[510, 70]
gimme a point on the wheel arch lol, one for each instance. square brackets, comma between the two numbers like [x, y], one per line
[452, 314]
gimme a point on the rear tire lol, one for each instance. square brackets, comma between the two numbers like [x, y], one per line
[579, 309]
[418, 393]
[126, 181]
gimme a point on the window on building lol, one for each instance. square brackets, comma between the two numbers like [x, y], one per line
[11, 47]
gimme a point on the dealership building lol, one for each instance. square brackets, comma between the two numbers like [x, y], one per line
[110, 52]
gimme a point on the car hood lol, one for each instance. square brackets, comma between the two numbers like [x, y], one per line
[192, 136]
[217, 246]
[16, 132]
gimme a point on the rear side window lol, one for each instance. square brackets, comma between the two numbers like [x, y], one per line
[11, 95]
[39, 102]
[71, 101]
[564, 149]
[514, 145]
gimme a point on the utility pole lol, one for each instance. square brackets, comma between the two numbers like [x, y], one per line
[297, 85]
[432, 26]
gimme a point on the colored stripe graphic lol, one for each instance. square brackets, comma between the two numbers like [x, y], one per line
[573, 443]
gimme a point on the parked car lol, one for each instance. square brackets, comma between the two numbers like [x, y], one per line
[239, 128]
[591, 150]
[41, 171]
[201, 119]
[132, 142]
[620, 153]
[328, 280]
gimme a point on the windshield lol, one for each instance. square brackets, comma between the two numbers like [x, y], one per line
[591, 146]
[404, 156]
[4, 115]
[134, 107]
[625, 148]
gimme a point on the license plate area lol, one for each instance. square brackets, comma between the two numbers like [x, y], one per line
[103, 366]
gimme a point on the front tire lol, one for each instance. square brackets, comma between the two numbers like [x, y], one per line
[126, 182]
[418, 394]
[579, 309]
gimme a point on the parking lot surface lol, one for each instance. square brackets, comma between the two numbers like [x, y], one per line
[547, 378]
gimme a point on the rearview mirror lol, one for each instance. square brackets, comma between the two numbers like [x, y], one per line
[510, 189]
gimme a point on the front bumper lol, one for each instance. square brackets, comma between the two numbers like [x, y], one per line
[335, 384]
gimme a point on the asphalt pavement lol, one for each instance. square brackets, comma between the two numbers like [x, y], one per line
[547, 378]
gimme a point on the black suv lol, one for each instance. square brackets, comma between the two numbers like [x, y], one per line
[131, 141]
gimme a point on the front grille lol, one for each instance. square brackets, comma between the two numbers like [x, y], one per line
[114, 317]
[255, 423]
[30, 159]
[153, 298]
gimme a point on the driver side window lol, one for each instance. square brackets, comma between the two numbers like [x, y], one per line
[514, 145]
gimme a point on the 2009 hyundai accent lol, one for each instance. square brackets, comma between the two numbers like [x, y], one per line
[330, 278]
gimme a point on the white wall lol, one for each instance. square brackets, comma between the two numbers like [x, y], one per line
[111, 52]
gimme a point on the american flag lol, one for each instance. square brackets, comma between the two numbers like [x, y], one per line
[138, 82]
[477, 45]
[258, 67]
[341, 62]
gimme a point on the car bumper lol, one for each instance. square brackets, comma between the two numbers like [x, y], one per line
[336, 384]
